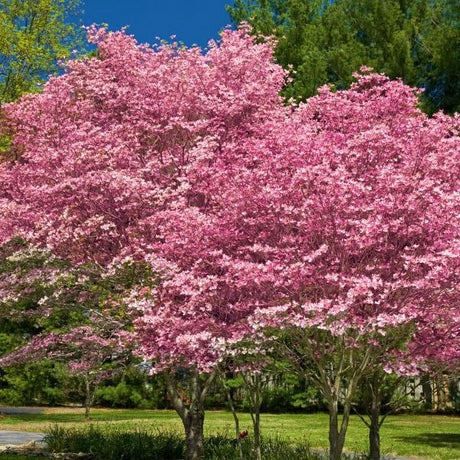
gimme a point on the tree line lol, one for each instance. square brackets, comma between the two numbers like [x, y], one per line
[324, 41]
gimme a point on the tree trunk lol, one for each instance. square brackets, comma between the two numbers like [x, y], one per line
[427, 391]
[336, 435]
[87, 410]
[374, 416]
[254, 385]
[193, 425]
[235, 417]
[335, 452]
[89, 397]
[374, 434]
[257, 443]
[191, 411]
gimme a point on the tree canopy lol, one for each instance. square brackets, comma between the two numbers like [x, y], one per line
[34, 35]
[325, 41]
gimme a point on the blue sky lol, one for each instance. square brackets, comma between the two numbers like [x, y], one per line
[192, 21]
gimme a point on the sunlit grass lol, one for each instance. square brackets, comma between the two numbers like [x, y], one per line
[428, 436]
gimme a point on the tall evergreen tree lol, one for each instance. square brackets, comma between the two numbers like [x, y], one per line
[324, 41]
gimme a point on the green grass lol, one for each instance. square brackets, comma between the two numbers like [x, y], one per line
[431, 437]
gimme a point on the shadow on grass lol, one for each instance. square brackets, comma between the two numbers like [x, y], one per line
[449, 440]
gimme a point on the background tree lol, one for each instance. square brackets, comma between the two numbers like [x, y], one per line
[325, 41]
[34, 35]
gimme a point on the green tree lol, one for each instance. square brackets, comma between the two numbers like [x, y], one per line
[34, 35]
[324, 41]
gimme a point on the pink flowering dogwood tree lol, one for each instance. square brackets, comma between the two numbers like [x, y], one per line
[68, 313]
[85, 350]
[116, 154]
[365, 232]
[334, 219]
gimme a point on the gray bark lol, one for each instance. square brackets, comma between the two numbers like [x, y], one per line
[191, 412]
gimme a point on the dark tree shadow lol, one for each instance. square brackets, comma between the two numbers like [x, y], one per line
[450, 440]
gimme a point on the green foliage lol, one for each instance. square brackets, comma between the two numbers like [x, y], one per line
[9, 342]
[118, 444]
[283, 391]
[326, 41]
[224, 448]
[134, 389]
[35, 383]
[34, 35]
[120, 395]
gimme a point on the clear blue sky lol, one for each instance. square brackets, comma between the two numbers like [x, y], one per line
[192, 21]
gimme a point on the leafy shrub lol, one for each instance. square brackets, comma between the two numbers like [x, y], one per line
[10, 396]
[116, 445]
[141, 445]
[134, 389]
[224, 448]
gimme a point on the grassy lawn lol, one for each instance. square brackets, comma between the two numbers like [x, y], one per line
[427, 436]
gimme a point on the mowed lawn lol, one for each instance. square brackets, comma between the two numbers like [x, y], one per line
[431, 437]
